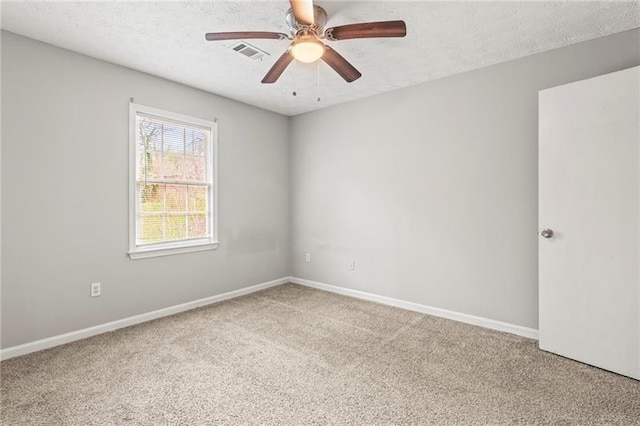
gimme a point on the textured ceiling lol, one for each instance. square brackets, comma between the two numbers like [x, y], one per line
[443, 38]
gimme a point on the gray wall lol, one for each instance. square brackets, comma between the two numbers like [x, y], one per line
[65, 194]
[432, 189]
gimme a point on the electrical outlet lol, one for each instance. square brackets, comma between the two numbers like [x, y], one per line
[307, 257]
[352, 265]
[95, 290]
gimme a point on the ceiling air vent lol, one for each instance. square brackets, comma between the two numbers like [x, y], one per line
[249, 50]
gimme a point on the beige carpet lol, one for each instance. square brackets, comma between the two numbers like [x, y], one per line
[293, 355]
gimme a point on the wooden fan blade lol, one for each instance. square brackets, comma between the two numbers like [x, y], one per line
[244, 34]
[340, 65]
[278, 68]
[303, 11]
[367, 30]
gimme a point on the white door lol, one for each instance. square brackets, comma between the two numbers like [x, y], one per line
[589, 188]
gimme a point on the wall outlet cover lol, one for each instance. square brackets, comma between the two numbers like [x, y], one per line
[96, 289]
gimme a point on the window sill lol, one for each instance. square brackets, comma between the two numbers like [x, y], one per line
[168, 251]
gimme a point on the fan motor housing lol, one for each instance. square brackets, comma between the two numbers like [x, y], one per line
[320, 19]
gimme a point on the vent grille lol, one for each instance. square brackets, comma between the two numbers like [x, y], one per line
[249, 50]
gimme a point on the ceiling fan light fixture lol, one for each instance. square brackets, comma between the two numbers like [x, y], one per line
[307, 49]
[306, 23]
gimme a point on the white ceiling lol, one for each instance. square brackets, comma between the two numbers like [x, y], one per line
[443, 38]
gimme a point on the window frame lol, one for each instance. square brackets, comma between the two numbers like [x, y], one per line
[173, 247]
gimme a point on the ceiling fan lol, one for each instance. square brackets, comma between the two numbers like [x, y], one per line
[306, 23]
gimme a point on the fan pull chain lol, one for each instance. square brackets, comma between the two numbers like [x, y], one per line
[295, 78]
[318, 81]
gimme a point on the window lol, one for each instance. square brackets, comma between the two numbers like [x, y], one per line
[172, 193]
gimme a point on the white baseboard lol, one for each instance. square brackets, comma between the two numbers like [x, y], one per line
[61, 339]
[417, 307]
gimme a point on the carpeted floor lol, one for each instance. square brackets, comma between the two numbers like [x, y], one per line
[293, 355]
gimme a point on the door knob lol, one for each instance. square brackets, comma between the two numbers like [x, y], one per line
[547, 233]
